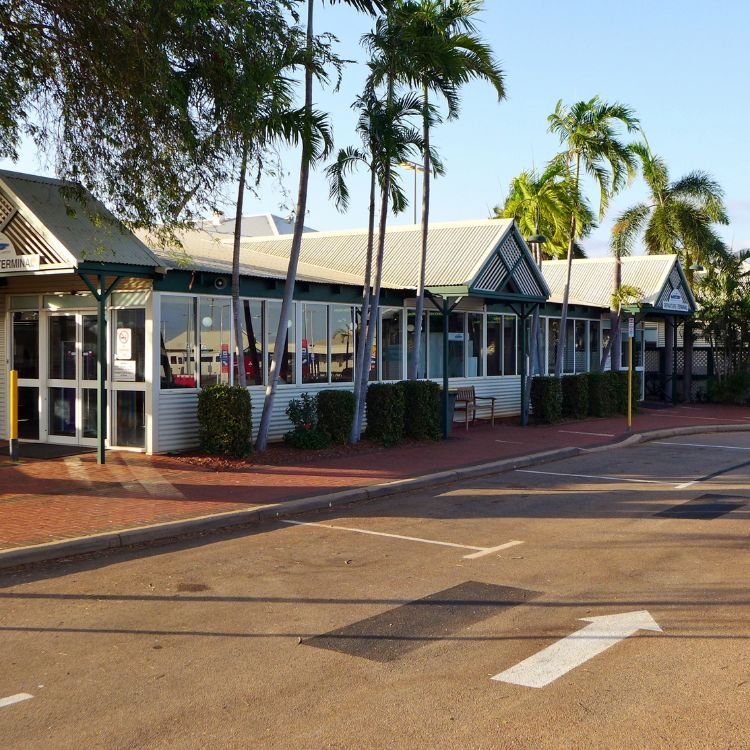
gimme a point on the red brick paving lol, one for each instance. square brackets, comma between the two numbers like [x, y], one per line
[43, 501]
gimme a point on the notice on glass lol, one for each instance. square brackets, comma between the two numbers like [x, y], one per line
[123, 370]
[124, 349]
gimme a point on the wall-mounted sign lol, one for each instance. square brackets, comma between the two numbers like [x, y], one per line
[123, 370]
[676, 302]
[11, 261]
[124, 348]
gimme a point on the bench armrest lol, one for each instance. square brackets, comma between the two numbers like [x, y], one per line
[486, 398]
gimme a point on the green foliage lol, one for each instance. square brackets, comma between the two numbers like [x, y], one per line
[731, 389]
[225, 420]
[306, 432]
[575, 396]
[546, 399]
[385, 413]
[601, 394]
[335, 414]
[422, 402]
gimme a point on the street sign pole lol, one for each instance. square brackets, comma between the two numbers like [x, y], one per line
[631, 331]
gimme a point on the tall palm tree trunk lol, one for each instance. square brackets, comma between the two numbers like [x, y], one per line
[236, 305]
[419, 308]
[361, 374]
[282, 333]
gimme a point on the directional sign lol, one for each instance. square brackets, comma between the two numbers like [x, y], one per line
[560, 658]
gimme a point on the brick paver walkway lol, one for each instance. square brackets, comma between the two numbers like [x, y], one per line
[53, 500]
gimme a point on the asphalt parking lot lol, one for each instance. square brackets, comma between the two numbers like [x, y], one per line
[596, 602]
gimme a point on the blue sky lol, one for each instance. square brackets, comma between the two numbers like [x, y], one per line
[682, 66]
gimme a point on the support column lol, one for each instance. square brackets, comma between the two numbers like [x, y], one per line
[669, 357]
[446, 379]
[524, 397]
[101, 371]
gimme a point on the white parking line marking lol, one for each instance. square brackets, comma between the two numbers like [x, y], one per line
[701, 445]
[597, 434]
[11, 699]
[591, 476]
[479, 551]
[685, 485]
[490, 550]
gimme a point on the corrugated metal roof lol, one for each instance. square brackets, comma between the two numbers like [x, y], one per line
[68, 224]
[455, 252]
[591, 278]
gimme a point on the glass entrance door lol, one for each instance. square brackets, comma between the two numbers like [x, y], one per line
[72, 383]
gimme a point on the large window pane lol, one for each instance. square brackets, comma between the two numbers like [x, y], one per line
[131, 419]
[594, 353]
[412, 331]
[494, 344]
[129, 345]
[62, 347]
[580, 353]
[62, 412]
[569, 345]
[286, 361]
[177, 339]
[509, 346]
[314, 343]
[474, 344]
[26, 344]
[553, 334]
[252, 337]
[456, 345]
[342, 343]
[28, 413]
[215, 316]
[435, 346]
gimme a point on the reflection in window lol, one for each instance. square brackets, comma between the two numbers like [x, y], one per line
[552, 337]
[594, 346]
[456, 345]
[62, 347]
[580, 348]
[26, 344]
[494, 344]
[474, 361]
[314, 343]
[286, 361]
[569, 345]
[509, 345]
[371, 362]
[215, 316]
[435, 346]
[391, 354]
[177, 335]
[412, 330]
[342, 343]
[252, 341]
[132, 320]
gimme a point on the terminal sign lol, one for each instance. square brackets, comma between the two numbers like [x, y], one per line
[11, 261]
[676, 302]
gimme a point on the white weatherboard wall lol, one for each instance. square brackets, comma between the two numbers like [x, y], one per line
[4, 368]
[177, 422]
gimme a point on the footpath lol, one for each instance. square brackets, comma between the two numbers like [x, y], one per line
[55, 508]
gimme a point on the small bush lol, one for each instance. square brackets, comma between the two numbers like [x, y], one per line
[731, 389]
[303, 414]
[601, 396]
[422, 401]
[225, 420]
[336, 414]
[575, 396]
[546, 399]
[385, 413]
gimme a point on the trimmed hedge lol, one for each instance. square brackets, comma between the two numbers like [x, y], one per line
[225, 420]
[336, 414]
[546, 399]
[422, 403]
[575, 396]
[601, 395]
[385, 412]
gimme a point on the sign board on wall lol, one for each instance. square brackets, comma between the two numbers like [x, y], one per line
[13, 262]
[676, 302]
[123, 370]
[124, 348]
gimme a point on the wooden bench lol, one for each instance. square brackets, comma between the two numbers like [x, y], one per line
[466, 403]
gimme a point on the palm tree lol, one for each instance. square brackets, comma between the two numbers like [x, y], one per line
[541, 204]
[372, 124]
[310, 151]
[444, 52]
[678, 218]
[589, 131]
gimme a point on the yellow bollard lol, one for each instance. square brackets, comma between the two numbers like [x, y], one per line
[13, 399]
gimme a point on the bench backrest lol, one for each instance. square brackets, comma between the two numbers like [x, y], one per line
[466, 393]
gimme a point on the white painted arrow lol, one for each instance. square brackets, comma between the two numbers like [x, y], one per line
[556, 660]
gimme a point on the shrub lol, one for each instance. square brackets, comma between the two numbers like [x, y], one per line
[336, 414]
[303, 414]
[422, 401]
[225, 420]
[619, 389]
[546, 399]
[733, 389]
[385, 412]
[601, 397]
[575, 396]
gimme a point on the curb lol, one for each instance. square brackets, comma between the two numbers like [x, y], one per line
[172, 530]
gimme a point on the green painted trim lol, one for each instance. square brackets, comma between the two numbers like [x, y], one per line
[117, 269]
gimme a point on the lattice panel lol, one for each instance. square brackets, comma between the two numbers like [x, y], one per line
[6, 208]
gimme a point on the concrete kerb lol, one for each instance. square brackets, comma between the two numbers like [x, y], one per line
[174, 529]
